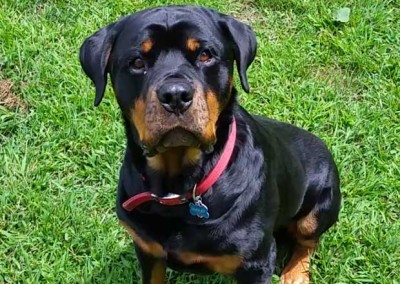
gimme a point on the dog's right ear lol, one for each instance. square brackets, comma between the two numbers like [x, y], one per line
[94, 54]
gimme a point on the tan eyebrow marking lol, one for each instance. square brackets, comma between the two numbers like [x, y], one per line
[146, 45]
[192, 44]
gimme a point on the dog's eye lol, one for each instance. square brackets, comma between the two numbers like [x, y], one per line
[137, 66]
[138, 63]
[205, 56]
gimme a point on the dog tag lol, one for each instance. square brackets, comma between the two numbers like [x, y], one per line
[197, 208]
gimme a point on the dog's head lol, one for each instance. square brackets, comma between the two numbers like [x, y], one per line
[171, 70]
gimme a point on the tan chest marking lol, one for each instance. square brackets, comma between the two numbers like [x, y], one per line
[152, 248]
[226, 264]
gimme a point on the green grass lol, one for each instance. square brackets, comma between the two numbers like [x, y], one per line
[59, 159]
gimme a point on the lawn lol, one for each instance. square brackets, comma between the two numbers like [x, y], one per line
[60, 156]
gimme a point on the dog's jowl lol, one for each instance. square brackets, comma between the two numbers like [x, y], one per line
[205, 186]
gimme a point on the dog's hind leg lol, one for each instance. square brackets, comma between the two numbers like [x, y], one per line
[297, 270]
[307, 230]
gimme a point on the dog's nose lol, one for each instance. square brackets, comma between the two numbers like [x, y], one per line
[175, 97]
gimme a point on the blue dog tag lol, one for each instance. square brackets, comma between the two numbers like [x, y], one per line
[197, 208]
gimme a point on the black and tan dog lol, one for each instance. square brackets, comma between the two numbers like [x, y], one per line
[205, 186]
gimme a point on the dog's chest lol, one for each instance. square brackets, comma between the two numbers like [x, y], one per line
[226, 264]
[183, 253]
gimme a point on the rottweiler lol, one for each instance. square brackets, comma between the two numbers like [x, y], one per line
[204, 186]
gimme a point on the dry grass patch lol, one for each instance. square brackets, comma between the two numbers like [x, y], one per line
[8, 98]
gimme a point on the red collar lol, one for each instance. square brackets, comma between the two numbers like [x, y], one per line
[198, 190]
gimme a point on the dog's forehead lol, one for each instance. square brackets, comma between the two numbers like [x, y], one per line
[191, 19]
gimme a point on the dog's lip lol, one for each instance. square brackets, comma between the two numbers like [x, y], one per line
[193, 140]
[177, 137]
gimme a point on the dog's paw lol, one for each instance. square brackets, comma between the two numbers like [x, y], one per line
[295, 277]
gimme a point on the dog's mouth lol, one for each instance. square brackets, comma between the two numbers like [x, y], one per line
[177, 137]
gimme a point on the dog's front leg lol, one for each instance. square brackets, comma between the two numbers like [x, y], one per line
[153, 268]
[151, 257]
[258, 270]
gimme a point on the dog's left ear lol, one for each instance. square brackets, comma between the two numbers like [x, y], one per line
[245, 46]
[94, 54]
